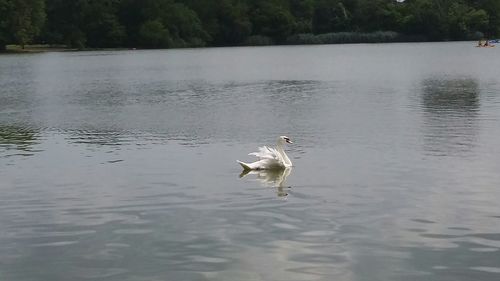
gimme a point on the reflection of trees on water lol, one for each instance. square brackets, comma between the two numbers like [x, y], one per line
[19, 138]
[450, 109]
[99, 137]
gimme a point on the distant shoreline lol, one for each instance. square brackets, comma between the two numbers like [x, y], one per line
[39, 48]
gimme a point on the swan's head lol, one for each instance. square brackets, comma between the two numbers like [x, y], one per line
[285, 139]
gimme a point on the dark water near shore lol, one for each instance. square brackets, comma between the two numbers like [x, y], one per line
[121, 165]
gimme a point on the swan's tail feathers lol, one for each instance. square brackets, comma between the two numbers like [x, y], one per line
[245, 166]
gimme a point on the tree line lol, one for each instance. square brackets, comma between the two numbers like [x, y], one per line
[193, 23]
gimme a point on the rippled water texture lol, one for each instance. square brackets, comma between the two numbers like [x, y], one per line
[121, 165]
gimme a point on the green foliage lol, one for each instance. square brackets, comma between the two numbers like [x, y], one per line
[426, 17]
[4, 34]
[21, 21]
[373, 15]
[186, 26]
[346, 37]
[66, 22]
[193, 23]
[492, 8]
[101, 24]
[153, 34]
[272, 19]
[230, 22]
[259, 40]
[330, 15]
[463, 20]
[183, 24]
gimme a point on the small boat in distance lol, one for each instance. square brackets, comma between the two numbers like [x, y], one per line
[485, 43]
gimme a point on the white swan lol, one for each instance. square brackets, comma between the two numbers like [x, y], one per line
[270, 158]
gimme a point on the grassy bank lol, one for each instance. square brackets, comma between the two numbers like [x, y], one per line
[347, 38]
[362, 37]
[260, 40]
[40, 48]
[36, 48]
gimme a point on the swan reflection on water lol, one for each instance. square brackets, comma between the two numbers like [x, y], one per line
[271, 178]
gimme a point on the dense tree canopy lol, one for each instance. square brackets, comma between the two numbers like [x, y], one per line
[20, 20]
[191, 23]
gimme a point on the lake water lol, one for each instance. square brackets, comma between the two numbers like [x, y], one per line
[120, 165]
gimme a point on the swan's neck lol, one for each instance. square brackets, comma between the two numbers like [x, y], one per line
[286, 160]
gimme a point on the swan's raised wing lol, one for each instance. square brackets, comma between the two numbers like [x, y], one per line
[269, 158]
[266, 153]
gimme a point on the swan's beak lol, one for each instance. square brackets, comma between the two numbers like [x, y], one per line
[289, 141]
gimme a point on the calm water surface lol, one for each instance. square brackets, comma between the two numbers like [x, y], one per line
[121, 165]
